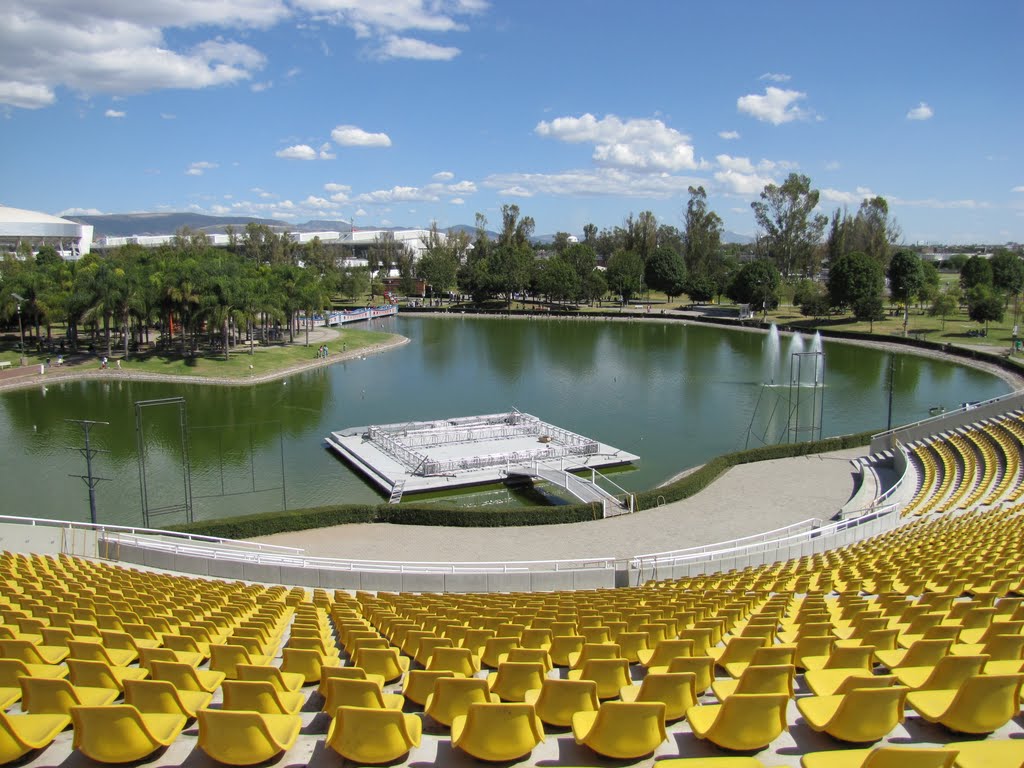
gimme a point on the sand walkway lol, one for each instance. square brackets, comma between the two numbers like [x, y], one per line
[747, 499]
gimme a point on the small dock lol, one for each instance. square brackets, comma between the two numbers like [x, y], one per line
[423, 456]
[344, 317]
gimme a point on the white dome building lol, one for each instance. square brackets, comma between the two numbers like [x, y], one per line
[18, 226]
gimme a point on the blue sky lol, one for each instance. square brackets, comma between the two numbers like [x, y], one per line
[411, 111]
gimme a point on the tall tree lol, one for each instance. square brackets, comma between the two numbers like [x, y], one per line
[625, 274]
[665, 271]
[874, 232]
[792, 229]
[702, 239]
[976, 271]
[1007, 273]
[856, 280]
[906, 276]
[757, 284]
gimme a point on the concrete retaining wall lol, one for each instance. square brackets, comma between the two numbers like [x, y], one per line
[388, 581]
[46, 540]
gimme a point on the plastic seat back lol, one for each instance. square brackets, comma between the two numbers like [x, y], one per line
[94, 674]
[676, 690]
[253, 696]
[702, 668]
[352, 692]
[160, 697]
[514, 678]
[119, 733]
[665, 651]
[620, 730]
[452, 697]
[609, 674]
[48, 696]
[384, 662]
[984, 703]
[419, 684]
[743, 721]
[373, 735]
[910, 757]
[226, 658]
[951, 671]
[459, 660]
[557, 700]
[246, 738]
[20, 734]
[498, 732]
[859, 657]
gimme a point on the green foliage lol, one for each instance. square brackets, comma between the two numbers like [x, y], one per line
[265, 524]
[975, 271]
[701, 478]
[985, 305]
[792, 229]
[558, 280]
[665, 271]
[906, 276]
[1007, 272]
[956, 261]
[757, 283]
[702, 239]
[625, 274]
[945, 303]
[812, 299]
[595, 286]
[855, 280]
[700, 287]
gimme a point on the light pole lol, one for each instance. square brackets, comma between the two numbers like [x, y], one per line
[21, 328]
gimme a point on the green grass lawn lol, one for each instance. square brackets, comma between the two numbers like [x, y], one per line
[240, 364]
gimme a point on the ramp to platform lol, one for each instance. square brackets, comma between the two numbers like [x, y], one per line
[585, 490]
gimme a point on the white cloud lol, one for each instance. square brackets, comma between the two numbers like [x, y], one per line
[832, 165]
[81, 212]
[1018, 189]
[637, 144]
[395, 47]
[775, 77]
[462, 188]
[740, 183]
[168, 116]
[351, 136]
[297, 152]
[325, 152]
[939, 205]
[399, 194]
[360, 212]
[847, 198]
[775, 105]
[728, 135]
[443, 176]
[114, 113]
[332, 187]
[26, 95]
[260, 87]
[457, 201]
[199, 168]
[119, 47]
[921, 112]
[596, 182]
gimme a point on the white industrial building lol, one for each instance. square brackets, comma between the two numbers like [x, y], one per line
[19, 227]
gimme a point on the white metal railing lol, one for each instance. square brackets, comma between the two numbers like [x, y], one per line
[881, 516]
[138, 530]
[299, 560]
[944, 416]
[882, 497]
[811, 523]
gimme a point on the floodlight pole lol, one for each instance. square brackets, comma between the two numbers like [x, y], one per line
[88, 452]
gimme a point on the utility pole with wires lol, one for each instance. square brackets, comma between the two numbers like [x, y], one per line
[89, 452]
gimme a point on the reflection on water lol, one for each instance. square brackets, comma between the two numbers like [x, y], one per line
[674, 394]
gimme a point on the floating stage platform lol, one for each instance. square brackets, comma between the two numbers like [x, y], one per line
[425, 456]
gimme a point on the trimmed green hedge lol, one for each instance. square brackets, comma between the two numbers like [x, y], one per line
[249, 526]
[700, 479]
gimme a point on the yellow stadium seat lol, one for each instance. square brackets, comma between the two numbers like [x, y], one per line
[564, 646]
[185, 677]
[419, 684]
[594, 651]
[923, 653]
[838, 685]
[56, 696]
[148, 655]
[514, 678]
[186, 644]
[702, 667]
[376, 661]
[711, 762]
[21, 734]
[282, 681]
[736, 649]
[119, 733]
[557, 700]
[12, 669]
[778, 678]
[30, 653]
[498, 732]
[494, 648]
[452, 697]
[159, 696]
[861, 715]
[226, 658]
[352, 692]
[611, 675]
[537, 655]
[631, 644]
[664, 652]
[676, 690]
[948, 673]
[426, 647]
[981, 704]
[246, 738]
[765, 656]
[988, 753]
[459, 660]
[373, 735]
[620, 730]
[260, 696]
[89, 651]
[96, 674]
[744, 721]
[881, 757]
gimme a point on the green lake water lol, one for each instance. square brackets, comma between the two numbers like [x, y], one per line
[674, 394]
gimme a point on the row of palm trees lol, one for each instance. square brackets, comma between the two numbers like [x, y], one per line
[195, 296]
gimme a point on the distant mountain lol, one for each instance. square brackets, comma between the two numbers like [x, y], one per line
[735, 237]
